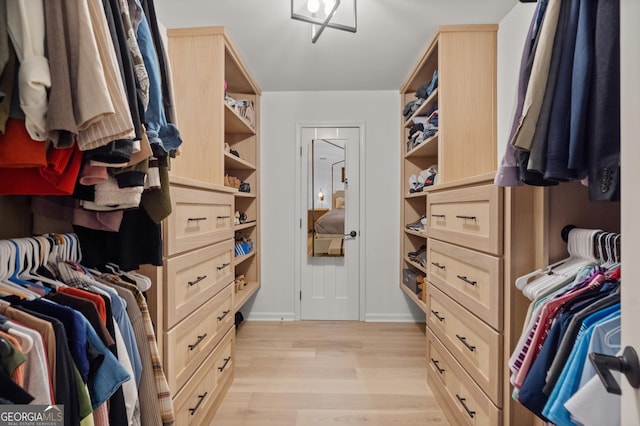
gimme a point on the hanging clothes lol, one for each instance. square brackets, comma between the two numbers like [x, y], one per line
[567, 119]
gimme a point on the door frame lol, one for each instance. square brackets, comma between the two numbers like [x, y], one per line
[361, 240]
[630, 206]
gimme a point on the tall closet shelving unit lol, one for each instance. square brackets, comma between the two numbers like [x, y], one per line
[479, 237]
[195, 298]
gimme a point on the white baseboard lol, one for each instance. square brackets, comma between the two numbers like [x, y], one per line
[270, 316]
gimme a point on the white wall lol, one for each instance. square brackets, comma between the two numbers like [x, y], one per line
[379, 110]
[512, 31]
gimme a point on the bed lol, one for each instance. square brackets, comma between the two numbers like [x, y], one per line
[329, 229]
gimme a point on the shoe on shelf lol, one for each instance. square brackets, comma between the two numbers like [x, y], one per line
[417, 225]
[422, 249]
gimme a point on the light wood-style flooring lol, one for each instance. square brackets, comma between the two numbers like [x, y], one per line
[309, 373]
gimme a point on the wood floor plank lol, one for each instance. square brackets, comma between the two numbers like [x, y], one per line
[340, 401]
[371, 418]
[309, 373]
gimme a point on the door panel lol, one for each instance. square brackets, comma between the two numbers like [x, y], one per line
[329, 262]
[630, 150]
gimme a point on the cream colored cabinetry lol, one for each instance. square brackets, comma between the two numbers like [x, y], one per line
[221, 137]
[471, 232]
[195, 300]
[465, 299]
[464, 59]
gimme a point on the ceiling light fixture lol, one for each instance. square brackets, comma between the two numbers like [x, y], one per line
[321, 14]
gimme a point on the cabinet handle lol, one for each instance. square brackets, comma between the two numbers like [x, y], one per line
[436, 363]
[224, 217]
[464, 342]
[467, 280]
[471, 414]
[435, 314]
[224, 314]
[196, 219]
[437, 265]
[201, 398]
[467, 217]
[226, 361]
[224, 265]
[200, 339]
[439, 215]
[197, 280]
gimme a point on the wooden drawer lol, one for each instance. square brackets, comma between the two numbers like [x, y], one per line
[195, 403]
[188, 343]
[471, 278]
[194, 277]
[471, 217]
[199, 218]
[460, 398]
[474, 344]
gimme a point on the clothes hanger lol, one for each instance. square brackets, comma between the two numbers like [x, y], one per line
[24, 259]
[581, 254]
[7, 286]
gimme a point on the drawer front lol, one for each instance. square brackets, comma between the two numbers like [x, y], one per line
[475, 345]
[193, 403]
[471, 217]
[471, 278]
[199, 218]
[460, 397]
[189, 342]
[194, 277]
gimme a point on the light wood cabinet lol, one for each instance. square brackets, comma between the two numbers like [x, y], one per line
[472, 228]
[195, 299]
[207, 69]
[464, 146]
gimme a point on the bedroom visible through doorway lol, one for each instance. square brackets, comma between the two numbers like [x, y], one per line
[329, 232]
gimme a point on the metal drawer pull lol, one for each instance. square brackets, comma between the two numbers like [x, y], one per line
[224, 265]
[471, 414]
[224, 314]
[440, 370]
[467, 280]
[196, 219]
[192, 283]
[224, 217]
[200, 339]
[226, 361]
[439, 215]
[464, 342]
[437, 265]
[201, 398]
[435, 314]
[467, 217]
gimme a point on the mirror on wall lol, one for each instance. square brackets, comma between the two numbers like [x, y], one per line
[326, 197]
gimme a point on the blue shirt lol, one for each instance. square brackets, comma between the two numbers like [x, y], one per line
[569, 379]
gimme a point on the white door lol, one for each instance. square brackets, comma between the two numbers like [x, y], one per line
[630, 111]
[329, 210]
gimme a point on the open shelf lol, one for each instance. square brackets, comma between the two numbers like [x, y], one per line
[234, 123]
[423, 108]
[244, 195]
[415, 265]
[243, 295]
[428, 148]
[240, 259]
[233, 162]
[414, 297]
[245, 226]
[416, 233]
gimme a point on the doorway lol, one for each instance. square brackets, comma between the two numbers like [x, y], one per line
[329, 243]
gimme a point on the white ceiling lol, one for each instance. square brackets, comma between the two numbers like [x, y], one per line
[280, 56]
